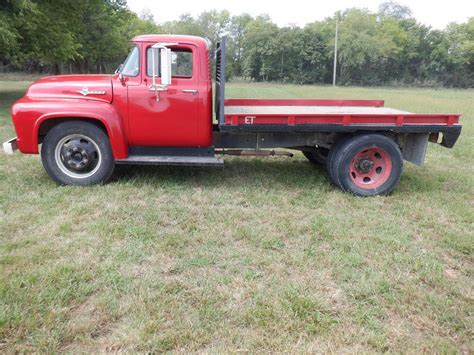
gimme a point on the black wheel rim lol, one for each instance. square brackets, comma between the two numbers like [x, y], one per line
[78, 156]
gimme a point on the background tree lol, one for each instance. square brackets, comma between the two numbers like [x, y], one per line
[394, 10]
[237, 32]
[375, 48]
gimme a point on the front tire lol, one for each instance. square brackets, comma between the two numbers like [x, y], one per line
[77, 153]
[366, 165]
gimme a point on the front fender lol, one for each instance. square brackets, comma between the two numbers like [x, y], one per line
[28, 115]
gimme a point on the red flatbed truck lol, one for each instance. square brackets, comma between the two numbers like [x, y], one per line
[157, 109]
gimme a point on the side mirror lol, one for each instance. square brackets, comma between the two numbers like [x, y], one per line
[165, 66]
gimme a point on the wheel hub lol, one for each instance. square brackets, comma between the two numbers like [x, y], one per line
[76, 156]
[364, 165]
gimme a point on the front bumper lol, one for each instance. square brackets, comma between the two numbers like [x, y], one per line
[10, 146]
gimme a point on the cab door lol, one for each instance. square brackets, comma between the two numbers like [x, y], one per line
[171, 120]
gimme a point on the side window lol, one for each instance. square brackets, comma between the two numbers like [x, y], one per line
[181, 63]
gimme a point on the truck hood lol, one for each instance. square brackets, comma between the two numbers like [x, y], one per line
[85, 87]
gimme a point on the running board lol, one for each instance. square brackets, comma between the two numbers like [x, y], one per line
[171, 160]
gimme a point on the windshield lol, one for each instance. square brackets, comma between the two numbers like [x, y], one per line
[131, 65]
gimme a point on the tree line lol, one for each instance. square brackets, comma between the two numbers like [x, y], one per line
[374, 48]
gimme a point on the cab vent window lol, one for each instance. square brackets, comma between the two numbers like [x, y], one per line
[131, 66]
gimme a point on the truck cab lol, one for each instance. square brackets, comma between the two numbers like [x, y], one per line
[177, 113]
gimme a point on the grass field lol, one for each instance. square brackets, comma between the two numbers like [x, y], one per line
[264, 254]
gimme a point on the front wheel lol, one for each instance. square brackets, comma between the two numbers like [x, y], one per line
[366, 165]
[77, 153]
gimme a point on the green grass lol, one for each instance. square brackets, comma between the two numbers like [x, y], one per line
[264, 254]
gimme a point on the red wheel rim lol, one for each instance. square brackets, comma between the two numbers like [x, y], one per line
[370, 168]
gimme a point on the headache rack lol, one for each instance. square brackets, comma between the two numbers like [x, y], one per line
[220, 81]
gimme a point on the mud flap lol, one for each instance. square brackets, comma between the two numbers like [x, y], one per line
[414, 147]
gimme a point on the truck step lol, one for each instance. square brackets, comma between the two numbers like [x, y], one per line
[171, 160]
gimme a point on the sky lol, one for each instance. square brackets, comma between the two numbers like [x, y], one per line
[436, 13]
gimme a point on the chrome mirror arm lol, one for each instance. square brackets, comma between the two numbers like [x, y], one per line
[157, 88]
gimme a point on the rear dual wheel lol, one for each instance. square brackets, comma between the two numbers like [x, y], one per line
[365, 165]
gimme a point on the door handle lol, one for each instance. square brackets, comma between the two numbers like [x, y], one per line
[190, 91]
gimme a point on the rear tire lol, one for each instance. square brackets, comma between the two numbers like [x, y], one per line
[366, 165]
[77, 153]
[331, 155]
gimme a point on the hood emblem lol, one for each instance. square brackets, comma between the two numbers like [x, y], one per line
[85, 91]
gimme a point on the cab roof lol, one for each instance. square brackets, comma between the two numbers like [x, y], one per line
[170, 38]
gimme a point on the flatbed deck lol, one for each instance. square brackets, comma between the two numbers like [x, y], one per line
[272, 116]
[325, 112]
